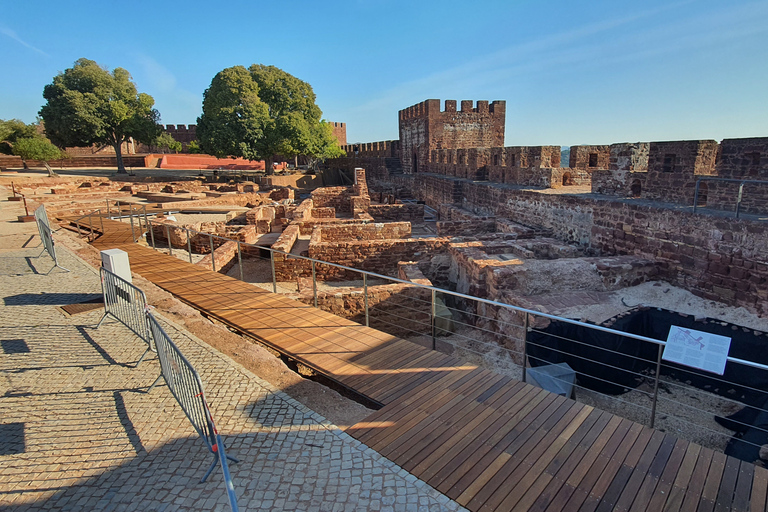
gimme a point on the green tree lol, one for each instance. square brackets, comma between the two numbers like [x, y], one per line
[258, 113]
[37, 148]
[194, 147]
[13, 130]
[87, 104]
[165, 141]
[323, 145]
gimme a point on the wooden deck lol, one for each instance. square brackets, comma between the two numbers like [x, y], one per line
[488, 441]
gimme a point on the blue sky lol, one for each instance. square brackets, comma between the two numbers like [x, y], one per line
[571, 72]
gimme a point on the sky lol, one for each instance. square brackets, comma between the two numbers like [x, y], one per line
[595, 72]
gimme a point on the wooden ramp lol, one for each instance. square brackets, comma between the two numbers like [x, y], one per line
[488, 441]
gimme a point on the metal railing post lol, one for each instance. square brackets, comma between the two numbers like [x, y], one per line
[738, 199]
[525, 345]
[189, 244]
[152, 236]
[365, 299]
[240, 261]
[78, 227]
[101, 219]
[133, 235]
[656, 386]
[432, 315]
[272, 263]
[314, 284]
[108, 210]
[90, 225]
[168, 237]
[213, 253]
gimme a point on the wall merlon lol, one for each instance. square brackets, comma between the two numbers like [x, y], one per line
[466, 106]
[450, 105]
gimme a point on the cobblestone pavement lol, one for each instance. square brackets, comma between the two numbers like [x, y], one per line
[79, 432]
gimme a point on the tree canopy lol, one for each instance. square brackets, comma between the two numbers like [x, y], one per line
[86, 104]
[27, 141]
[261, 112]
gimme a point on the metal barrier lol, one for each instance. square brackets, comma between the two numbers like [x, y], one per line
[739, 194]
[46, 235]
[187, 388]
[127, 304]
[487, 328]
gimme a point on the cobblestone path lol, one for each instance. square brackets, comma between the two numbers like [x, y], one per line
[79, 432]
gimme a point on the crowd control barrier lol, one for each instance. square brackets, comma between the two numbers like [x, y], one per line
[127, 304]
[46, 235]
[187, 388]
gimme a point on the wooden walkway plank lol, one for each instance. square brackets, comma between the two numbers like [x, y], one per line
[759, 501]
[460, 438]
[666, 480]
[492, 477]
[524, 493]
[533, 463]
[696, 484]
[603, 469]
[557, 493]
[535, 412]
[462, 461]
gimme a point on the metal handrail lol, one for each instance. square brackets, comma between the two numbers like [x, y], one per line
[725, 180]
[390, 319]
[477, 299]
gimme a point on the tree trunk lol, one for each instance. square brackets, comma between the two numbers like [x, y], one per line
[268, 168]
[119, 155]
[51, 172]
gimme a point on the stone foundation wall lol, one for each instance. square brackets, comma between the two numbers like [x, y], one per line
[410, 212]
[359, 232]
[714, 257]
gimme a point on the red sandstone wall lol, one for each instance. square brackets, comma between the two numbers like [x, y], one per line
[714, 257]
[424, 127]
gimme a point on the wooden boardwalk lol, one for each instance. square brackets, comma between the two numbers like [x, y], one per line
[488, 441]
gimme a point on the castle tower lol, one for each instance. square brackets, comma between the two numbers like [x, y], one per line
[424, 127]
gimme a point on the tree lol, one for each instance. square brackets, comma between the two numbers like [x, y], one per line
[87, 104]
[37, 148]
[13, 130]
[165, 141]
[27, 141]
[323, 145]
[258, 113]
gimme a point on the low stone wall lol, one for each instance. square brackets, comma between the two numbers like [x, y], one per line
[719, 258]
[411, 212]
[359, 232]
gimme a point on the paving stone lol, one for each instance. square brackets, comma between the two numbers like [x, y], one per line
[94, 439]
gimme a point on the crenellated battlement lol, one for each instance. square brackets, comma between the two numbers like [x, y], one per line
[431, 107]
[425, 127]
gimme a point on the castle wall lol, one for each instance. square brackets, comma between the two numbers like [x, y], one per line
[590, 157]
[340, 132]
[717, 258]
[424, 127]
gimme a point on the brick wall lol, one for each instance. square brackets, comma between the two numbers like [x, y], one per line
[714, 257]
[360, 232]
[340, 132]
[674, 166]
[424, 127]
[409, 212]
[590, 157]
[14, 162]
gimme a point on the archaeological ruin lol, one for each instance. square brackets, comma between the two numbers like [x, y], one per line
[448, 206]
